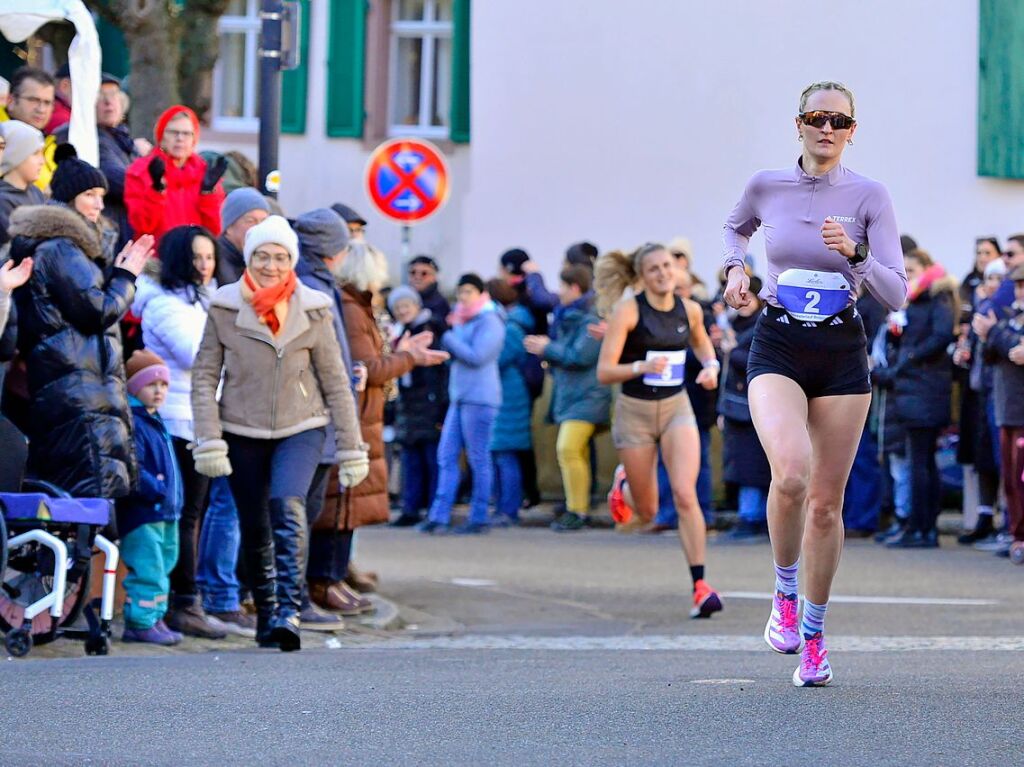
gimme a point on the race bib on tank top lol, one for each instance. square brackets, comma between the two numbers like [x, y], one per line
[672, 375]
[812, 296]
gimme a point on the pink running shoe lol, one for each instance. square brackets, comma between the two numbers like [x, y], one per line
[814, 669]
[782, 632]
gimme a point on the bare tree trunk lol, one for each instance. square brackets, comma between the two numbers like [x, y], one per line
[153, 52]
[151, 33]
[200, 46]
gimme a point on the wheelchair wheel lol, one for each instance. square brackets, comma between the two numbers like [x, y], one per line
[26, 579]
[18, 643]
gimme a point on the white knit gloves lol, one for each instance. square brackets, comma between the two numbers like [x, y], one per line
[353, 467]
[211, 458]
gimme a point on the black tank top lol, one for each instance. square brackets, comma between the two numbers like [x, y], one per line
[655, 331]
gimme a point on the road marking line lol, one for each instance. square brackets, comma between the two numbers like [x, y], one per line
[721, 681]
[473, 583]
[709, 643]
[864, 600]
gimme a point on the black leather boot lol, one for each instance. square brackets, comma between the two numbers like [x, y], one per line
[288, 525]
[258, 551]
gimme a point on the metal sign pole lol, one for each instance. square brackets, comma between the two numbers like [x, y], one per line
[406, 238]
[271, 12]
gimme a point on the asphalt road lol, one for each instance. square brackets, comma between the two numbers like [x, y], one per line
[524, 647]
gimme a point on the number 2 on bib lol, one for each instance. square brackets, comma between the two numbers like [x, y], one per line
[812, 296]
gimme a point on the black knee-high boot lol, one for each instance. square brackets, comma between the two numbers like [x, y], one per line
[288, 525]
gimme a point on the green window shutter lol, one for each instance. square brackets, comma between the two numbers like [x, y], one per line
[346, 55]
[293, 83]
[460, 73]
[1001, 89]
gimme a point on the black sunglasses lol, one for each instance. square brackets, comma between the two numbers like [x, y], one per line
[818, 118]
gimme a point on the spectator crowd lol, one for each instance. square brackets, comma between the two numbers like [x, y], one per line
[245, 386]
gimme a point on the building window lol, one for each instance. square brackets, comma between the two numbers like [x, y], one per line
[420, 89]
[236, 74]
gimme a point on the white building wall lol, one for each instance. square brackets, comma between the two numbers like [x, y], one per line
[623, 123]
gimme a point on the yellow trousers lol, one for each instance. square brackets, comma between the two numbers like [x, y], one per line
[573, 449]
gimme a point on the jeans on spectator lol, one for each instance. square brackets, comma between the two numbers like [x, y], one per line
[753, 505]
[508, 483]
[217, 573]
[419, 477]
[862, 502]
[197, 490]
[469, 427]
[899, 470]
[925, 482]
[666, 506]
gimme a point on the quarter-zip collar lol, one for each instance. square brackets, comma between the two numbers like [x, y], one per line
[834, 176]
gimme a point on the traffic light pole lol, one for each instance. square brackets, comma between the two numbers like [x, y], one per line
[271, 15]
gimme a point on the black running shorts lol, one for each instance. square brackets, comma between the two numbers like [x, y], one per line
[826, 359]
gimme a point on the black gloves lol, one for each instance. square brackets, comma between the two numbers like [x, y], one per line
[156, 172]
[213, 174]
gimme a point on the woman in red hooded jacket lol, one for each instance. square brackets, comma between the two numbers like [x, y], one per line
[173, 185]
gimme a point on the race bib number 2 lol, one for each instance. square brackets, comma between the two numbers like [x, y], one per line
[812, 296]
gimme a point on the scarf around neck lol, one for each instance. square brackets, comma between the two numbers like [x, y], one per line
[271, 303]
[463, 313]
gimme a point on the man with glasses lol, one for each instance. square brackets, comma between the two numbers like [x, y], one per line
[31, 100]
[423, 279]
[173, 185]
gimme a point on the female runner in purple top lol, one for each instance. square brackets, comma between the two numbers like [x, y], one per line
[827, 230]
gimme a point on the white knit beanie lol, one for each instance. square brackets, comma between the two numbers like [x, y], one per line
[23, 141]
[275, 230]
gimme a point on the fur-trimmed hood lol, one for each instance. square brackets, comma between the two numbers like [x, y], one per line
[50, 222]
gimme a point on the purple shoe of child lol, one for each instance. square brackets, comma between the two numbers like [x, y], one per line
[152, 635]
[177, 636]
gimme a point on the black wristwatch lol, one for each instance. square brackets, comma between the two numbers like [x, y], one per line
[860, 253]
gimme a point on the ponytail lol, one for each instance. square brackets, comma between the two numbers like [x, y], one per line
[613, 273]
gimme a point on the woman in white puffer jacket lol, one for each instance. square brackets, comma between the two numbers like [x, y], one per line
[172, 297]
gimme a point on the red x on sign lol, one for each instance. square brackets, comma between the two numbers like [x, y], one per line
[407, 180]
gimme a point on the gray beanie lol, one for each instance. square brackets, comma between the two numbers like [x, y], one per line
[402, 293]
[322, 233]
[23, 141]
[240, 202]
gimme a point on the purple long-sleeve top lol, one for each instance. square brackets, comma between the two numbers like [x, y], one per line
[792, 207]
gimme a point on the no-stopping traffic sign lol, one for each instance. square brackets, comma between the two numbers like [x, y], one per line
[407, 179]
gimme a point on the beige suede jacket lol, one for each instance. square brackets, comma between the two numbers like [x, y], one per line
[272, 387]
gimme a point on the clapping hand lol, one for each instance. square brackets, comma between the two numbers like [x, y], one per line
[536, 344]
[1017, 354]
[12, 276]
[983, 323]
[419, 347]
[134, 254]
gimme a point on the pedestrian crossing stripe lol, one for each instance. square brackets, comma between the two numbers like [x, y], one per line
[700, 643]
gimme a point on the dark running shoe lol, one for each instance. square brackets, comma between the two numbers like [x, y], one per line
[406, 520]
[570, 522]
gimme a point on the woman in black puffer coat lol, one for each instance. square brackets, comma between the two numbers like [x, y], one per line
[922, 384]
[80, 436]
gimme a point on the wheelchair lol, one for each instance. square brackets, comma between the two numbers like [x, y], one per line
[46, 555]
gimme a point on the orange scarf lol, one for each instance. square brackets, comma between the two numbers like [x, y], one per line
[270, 304]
